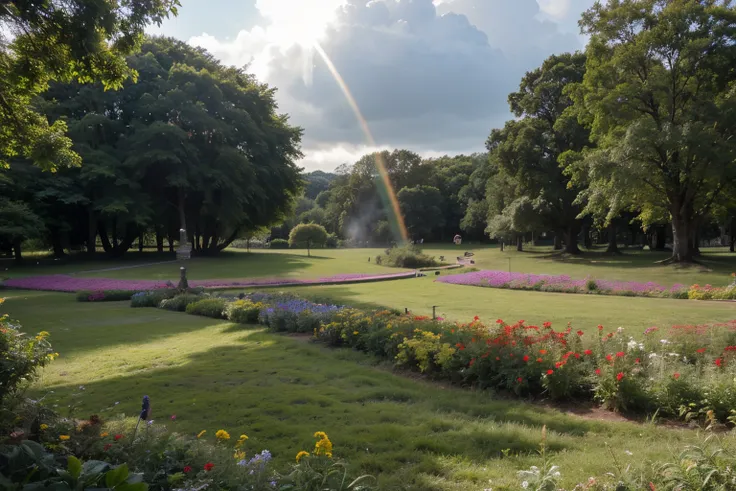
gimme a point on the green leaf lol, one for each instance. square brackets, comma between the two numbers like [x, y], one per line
[74, 467]
[116, 476]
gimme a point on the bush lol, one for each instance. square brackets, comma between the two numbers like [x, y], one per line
[332, 241]
[207, 307]
[409, 257]
[179, 303]
[279, 244]
[151, 298]
[104, 295]
[309, 235]
[21, 356]
[243, 311]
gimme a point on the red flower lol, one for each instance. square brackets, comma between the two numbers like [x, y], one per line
[476, 318]
[460, 346]
[620, 376]
[452, 331]
[526, 358]
[209, 466]
[577, 355]
[559, 364]
[719, 362]
[580, 333]
[520, 380]
[676, 376]
[187, 469]
[521, 322]
[473, 340]
[597, 371]
[651, 487]
[588, 352]
[499, 321]
[550, 372]
[539, 360]
[637, 361]
[620, 354]
[609, 357]
[118, 437]
[701, 350]
[107, 447]
[542, 351]
[600, 328]
[498, 358]
[547, 324]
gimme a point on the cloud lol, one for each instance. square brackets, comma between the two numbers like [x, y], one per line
[433, 79]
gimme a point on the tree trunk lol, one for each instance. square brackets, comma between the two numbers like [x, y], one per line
[106, 246]
[612, 245]
[56, 243]
[171, 243]
[140, 242]
[91, 231]
[681, 251]
[558, 242]
[17, 251]
[571, 239]
[661, 239]
[519, 243]
[159, 242]
[228, 241]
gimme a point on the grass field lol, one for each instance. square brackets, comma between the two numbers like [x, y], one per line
[411, 433]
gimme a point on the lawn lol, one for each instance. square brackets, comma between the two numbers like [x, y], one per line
[413, 434]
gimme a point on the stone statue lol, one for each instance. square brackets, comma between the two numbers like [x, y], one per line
[185, 250]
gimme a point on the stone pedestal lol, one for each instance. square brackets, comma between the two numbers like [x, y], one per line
[185, 250]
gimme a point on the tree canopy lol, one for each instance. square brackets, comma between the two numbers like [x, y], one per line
[308, 235]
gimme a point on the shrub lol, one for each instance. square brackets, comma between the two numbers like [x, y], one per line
[207, 307]
[151, 298]
[308, 235]
[332, 241]
[104, 295]
[21, 356]
[243, 311]
[279, 244]
[591, 285]
[410, 257]
[179, 303]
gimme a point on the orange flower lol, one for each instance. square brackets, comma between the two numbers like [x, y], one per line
[676, 376]
[542, 351]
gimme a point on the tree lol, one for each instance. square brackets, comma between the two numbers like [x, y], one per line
[658, 95]
[421, 207]
[63, 41]
[308, 235]
[528, 149]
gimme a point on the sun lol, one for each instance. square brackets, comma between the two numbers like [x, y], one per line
[301, 22]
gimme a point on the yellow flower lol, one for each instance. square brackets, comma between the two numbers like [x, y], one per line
[239, 455]
[324, 445]
[201, 433]
[104, 434]
[42, 335]
[355, 333]
[64, 438]
[241, 441]
[321, 435]
[300, 455]
[222, 435]
[44, 427]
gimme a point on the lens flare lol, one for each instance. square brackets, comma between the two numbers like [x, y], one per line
[383, 183]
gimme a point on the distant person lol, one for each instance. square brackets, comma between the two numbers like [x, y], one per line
[457, 239]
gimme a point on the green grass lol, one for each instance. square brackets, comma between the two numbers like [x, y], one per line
[411, 433]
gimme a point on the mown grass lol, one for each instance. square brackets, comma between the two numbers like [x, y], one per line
[411, 433]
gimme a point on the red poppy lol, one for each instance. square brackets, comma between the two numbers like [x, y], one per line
[620, 354]
[597, 371]
[520, 380]
[637, 361]
[187, 469]
[577, 355]
[547, 324]
[550, 372]
[499, 321]
[609, 357]
[539, 360]
[118, 437]
[580, 333]
[542, 351]
[473, 340]
[559, 364]
[108, 447]
[521, 322]
[676, 376]
[701, 350]
[526, 358]
[588, 352]
[600, 328]
[719, 362]
[209, 466]
[619, 376]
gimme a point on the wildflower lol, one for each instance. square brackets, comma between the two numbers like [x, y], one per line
[620, 354]
[526, 358]
[559, 364]
[209, 466]
[609, 357]
[651, 487]
[524, 484]
[620, 376]
[547, 325]
[187, 469]
[241, 441]
[324, 445]
[539, 360]
[637, 361]
[460, 346]
[542, 351]
[173, 417]
[520, 380]
[355, 333]
[301, 455]
[676, 376]
[472, 362]
[104, 434]
[118, 437]
[239, 455]
[700, 350]
[597, 371]
[44, 427]
[600, 327]
[620, 330]
[201, 433]
[476, 318]
[588, 352]
[499, 321]
[64, 438]
[550, 372]
[628, 452]
[580, 333]
[222, 435]
[719, 362]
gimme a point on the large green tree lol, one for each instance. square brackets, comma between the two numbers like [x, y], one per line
[528, 149]
[421, 207]
[63, 40]
[659, 97]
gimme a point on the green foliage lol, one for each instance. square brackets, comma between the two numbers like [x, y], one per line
[207, 307]
[421, 207]
[308, 235]
[279, 244]
[409, 257]
[243, 311]
[21, 356]
[179, 302]
[151, 298]
[104, 295]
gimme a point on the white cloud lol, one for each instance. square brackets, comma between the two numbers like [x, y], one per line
[557, 9]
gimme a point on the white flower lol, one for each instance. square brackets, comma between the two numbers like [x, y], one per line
[525, 484]
[534, 468]
[557, 474]
[632, 345]
[628, 452]
[652, 355]
[673, 354]
[641, 346]
[664, 341]
[620, 330]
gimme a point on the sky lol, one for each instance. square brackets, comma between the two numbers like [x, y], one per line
[432, 76]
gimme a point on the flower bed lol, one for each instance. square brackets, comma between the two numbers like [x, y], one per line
[682, 371]
[564, 284]
[64, 283]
